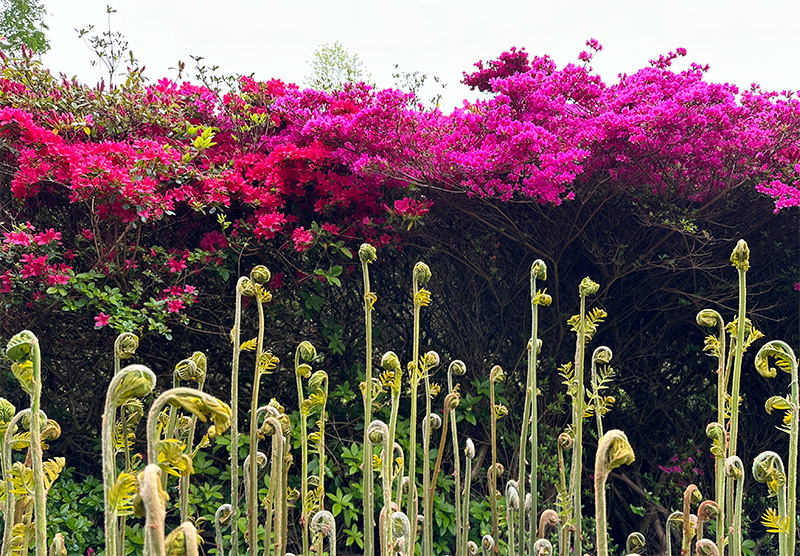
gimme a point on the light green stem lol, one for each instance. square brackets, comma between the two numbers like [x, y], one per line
[234, 447]
[577, 423]
[366, 467]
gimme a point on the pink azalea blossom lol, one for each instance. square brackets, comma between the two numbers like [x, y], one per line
[797, 287]
[176, 265]
[174, 305]
[46, 237]
[17, 238]
[302, 239]
[101, 320]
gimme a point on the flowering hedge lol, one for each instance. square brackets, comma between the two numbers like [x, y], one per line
[118, 204]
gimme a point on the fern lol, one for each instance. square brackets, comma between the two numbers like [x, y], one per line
[775, 523]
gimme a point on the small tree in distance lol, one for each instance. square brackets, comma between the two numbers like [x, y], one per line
[22, 23]
[333, 65]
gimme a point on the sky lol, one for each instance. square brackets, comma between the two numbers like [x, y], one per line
[743, 42]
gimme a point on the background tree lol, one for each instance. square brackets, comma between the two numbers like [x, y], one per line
[333, 65]
[22, 23]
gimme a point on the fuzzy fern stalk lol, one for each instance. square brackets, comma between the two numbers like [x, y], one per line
[58, 546]
[496, 374]
[265, 363]
[125, 347]
[785, 359]
[707, 510]
[367, 255]
[324, 524]
[584, 327]
[200, 370]
[512, 507]
[716, 432]
[613, 450]
[600, 403]
[154, 500]
[691, 495]
[10, 501]
[548, 520]
[563, 500]
[134, 381]
[393, 375]
[768, 468]
[421, 297]
[250, 503]
[244, 288]
[674, 519]
[433, 422]
[740, 258]
[379, 432]
[277, 490]
[530, 415]
[221, 517]
[456, 368]
[305, 352]
[25, 354]
[734, 470]
[469, 454]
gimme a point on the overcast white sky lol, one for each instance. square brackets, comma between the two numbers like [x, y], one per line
[743, 41]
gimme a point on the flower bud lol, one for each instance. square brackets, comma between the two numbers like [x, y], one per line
[740, 258]
[422, 273]
[367, 253]
[260, 275]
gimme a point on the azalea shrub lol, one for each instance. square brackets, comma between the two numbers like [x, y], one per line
[133, 208]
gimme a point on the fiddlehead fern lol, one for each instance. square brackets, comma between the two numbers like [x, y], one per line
[705, 547]
[469, 454]
[613, 450]
[183, 541]
[785, 359]
[487, 546]
[600, 404]
[379, 432]
[691, 495]
[548, 520]
[401, 531]
[24, 352]
[496, 374]
[707, 510]
[367, 255]
[134, 381]
[530, 415]
[734, 470]
[221, 517]
[512, 506]
[635, 543]
[542, 547]
[768, 468]
[716, 432]
[456, 368]
[324, 524]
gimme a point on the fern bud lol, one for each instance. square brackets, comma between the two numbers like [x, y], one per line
[734, 468]
[451, 401]
[457, 367]
[706, 547]
[488, 543]
[422, 273]
[201, 362]
[432, 359]
[391, 362]
[602, 355]
[50, 431]
[260, 275]
[543, 547]
[548, 519]
[183, 541]
[185, 369]
[496, 374]
[307, 351]
[7, 410]
[635, 542]
[469, 451]
[708, 317]
[247, 288]
[539, 270]
[57, 547]
[317, 379]
[512, 495]
[740, 258]
[20, 346]
[472, 548]
[367, 253]
[126, 345]
[588, 287]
